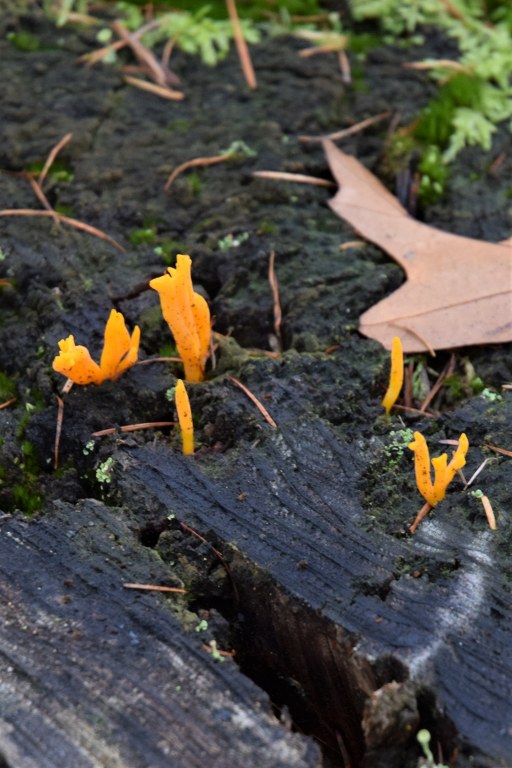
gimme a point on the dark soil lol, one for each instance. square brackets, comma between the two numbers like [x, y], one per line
[325, 597]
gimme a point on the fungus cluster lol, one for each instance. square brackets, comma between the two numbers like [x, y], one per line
[187, 315]
[444, 472]
[120, 352]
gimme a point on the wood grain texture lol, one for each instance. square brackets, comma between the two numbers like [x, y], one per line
[92, 675]
[346, 622]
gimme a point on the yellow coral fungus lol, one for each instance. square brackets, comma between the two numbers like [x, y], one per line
[120, 351]
[434, 492]
[187, 315]
[396, 376]
[185, 418]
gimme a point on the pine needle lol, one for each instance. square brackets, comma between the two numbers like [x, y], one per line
[266, 415]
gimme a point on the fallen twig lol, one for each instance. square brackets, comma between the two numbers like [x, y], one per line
[306, 53]
[274, 287]
[196, 162]
[475, 474]
[415, 410]
[221, 557]
[143, 55]
[348, 131]
[37, 188]
[212, 648]
[51, 157]
[498, 450]
[241, 46]
[159, 90]
[346, 73]
[299, 178]
[447, 371]
[159, 360]
[133, 427]
[489, 513]
[94, 56]
[352, 244]
[155, 588]
[436, 63]
[266, 415]
[64, 219]
[497, 163]
[58, 431]
[408, 384]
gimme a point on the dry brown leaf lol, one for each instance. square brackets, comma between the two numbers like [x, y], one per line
[458, 290]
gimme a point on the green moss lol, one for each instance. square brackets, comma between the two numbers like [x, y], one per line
[7, 387]
[150, 319]
[434, 175]
[435, 125]
[66, 210]
[30, 461]
[143, 235]
[34, 403]
[194, 183]
[24, 41]
[361, 43]
[59, 171]
[26, 499]
[266, 228]
[463, 384]
[168, 249]
[398, 152]
[168, 350]
[403, 149]
[180, 125]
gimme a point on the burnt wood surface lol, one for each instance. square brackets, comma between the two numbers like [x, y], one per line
[93, 675]
[322, 588]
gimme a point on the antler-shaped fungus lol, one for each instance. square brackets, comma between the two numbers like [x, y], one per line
[444, 472]
[120, 351]
[187, 315]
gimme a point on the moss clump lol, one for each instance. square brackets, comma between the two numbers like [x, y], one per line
[26, 498]
[24, 41]
[144, 235]
[168, 249]
[7, 387]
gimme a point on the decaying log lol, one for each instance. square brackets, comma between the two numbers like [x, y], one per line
[93, 675]
[321, 592]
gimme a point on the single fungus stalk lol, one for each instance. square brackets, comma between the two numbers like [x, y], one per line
[396, 376]
[185, 418]
[187, 315]
[120, 352]
[444, 472]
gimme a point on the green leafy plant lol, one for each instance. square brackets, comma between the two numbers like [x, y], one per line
[475, 90]
[196, 33]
